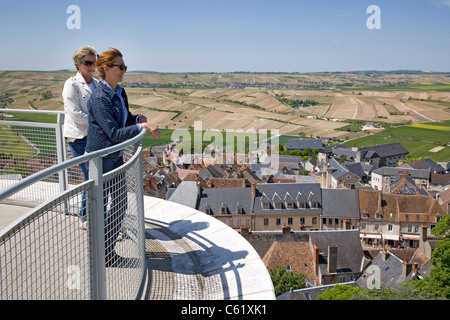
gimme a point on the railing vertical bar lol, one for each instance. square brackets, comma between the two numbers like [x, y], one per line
[97, 231]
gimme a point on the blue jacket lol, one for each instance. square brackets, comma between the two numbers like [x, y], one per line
[106, 118]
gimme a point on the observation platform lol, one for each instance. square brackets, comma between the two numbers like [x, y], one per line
[190, 255]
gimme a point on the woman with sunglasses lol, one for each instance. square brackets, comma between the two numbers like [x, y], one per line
[111, 123]
[76, 93]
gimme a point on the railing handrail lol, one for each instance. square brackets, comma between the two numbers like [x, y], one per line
[22, 184]
[55, 112]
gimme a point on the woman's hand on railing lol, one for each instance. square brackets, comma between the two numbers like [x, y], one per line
[153, 130]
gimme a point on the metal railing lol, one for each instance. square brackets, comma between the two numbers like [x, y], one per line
[27, 147]
[45, 255]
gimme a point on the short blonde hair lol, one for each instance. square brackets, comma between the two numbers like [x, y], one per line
[105, 59]
[81, 53]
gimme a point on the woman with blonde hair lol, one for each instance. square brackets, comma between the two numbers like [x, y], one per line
[76, 93]
[110, 123]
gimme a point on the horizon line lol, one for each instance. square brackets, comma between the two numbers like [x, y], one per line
[412, 71]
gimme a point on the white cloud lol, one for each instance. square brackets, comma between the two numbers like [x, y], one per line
[439, 3]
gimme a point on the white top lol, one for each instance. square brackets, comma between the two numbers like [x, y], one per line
[76, 94]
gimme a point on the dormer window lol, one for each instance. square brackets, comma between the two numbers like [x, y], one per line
[301, 204]
[207, 209]
[288, 201]
[223, 209]
[265, 202]
[277, 203]
[378, 215]
[365, 215]
[238, 208]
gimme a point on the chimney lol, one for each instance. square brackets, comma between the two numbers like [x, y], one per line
[245, 232]
[316, 259]
[199, 189]
[423, 233]
[347, 224]
[286, 229]
[384, 254]
[332, 258]
[253, 189]
[406, 268]
[316, 254]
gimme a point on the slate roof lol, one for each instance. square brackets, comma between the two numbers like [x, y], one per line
[415, 173]
[185, 194]
[388, 149]
[303, 192]
[350, 254]
[214, 199]
[425, 164]
[340, 203]
[391, 272]
[302, 144]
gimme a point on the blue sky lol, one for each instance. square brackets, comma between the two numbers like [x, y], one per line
[233, 35]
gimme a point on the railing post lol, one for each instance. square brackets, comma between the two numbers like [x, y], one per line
[61, 151]
[140, 193]
[96, 229]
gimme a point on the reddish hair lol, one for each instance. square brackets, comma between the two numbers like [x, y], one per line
[105, 59]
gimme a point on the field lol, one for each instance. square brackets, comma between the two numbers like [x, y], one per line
[428, 140]
[343, 102]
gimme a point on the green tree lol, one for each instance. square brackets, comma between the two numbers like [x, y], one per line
[284, 280]
[340, 292]
[438, 282]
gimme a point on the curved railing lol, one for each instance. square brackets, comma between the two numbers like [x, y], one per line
[45, 255]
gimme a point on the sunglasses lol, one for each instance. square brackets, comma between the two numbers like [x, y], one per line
[88, 63]
[121, 66]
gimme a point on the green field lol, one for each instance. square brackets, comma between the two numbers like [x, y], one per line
[418, 141]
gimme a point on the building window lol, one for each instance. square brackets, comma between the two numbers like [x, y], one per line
[266, 221]
[302, 220]
[302, 204]
[290, 205]
[266, 205]
[363, 226]
[336, 221]
[278, 221]
[390, 227]
[231, 222]
[290, 221]
[277, 205]
[314, 220]
[223, 209]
